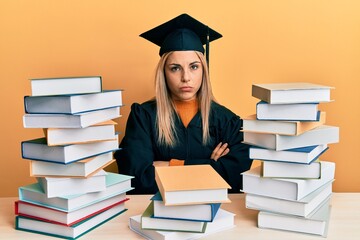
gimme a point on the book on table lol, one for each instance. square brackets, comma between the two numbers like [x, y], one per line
[62, 186]
[115, 184]
[224, 220]
[295, 92]
[94, 133]
[191, 184]
[65, 85]
[303, 155]
[317, 223]
[197, 212]
[302, 207]
[74, 103]
[284, 188]
[289, 112]
[323, 134]
[46, 214]
[82, 168]
[274, 169]
[161, 224]
[37, 149]
[69, 232]
[251, 124]
[79, 120]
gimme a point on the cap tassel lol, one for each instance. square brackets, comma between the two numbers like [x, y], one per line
[207, 46]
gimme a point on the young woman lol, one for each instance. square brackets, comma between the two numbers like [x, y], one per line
[183, 124]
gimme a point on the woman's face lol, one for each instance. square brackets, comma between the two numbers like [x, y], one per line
[183, 72]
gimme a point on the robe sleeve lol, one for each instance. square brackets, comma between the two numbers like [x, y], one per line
[137, 155]
[236, 161]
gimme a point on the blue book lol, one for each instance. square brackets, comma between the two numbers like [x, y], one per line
[196, 212]
[115, 184]
[303, 155]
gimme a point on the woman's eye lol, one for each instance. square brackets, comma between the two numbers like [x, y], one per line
[174, 69]
[194, 66]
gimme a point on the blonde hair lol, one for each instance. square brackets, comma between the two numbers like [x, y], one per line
[166, 113]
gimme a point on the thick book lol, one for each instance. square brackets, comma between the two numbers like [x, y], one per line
[148, 221]
[98, 132]
[79, 120]
[65, 85]
[57, 187]
[284, 188]
[46, 214]
[115, 184]
[296, 92]
[316, 224]
[197, 212]
[251, 124]
[291, 170]
[223, 221]
[191, 184]
[75, 103]
[323, 134]
[290, 112]
[303, 155]
[69, 232]
[303, 207]
[37, 149]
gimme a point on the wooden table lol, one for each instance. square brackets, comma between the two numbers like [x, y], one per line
[344, 221]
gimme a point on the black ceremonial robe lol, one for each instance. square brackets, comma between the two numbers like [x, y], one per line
[139, 147]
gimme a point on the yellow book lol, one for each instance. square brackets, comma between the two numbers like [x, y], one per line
[191, 184]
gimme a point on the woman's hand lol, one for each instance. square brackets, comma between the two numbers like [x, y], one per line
[220, 150]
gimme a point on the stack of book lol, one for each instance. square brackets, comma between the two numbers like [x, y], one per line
[292, 187]
[187, 205]
[73, 194]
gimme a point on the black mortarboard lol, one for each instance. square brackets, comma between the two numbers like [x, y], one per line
[180, 34]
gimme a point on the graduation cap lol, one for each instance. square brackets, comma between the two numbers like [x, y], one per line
[181, 34]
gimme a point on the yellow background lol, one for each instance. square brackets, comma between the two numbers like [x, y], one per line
[264, 42]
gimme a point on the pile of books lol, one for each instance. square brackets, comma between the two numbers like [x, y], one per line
[73, 194]
[292, 187]
[187, 206]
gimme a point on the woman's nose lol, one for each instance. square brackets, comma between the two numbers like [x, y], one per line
[185, 77]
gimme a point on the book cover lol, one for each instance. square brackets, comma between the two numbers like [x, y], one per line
[74, 103]
[161, 224]
[191, 184]
[65, 85]
[304, 155]
[295, 92]
[198, 212]
[79, 120]
[294, 128]
[115, 184]
[37, 149]
[283, 188]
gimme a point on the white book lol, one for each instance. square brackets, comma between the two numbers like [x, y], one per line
[303, 155]
[252, 124]
[115, 184]
[37, 149]
[75, 103]
[82, 168]
[79, 120]
[98, 132]
[61, 186]
[67, 218]
[65, 85]
[324, 134]
[69, 232]
[291, 170]
[302, 207]
[284, 188]
[224, 220]
[316, 224]
[290, 112]
[294, 92]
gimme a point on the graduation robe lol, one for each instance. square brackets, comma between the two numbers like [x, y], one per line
[139, 147]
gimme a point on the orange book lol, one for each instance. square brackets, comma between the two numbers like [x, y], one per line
[191, 184]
